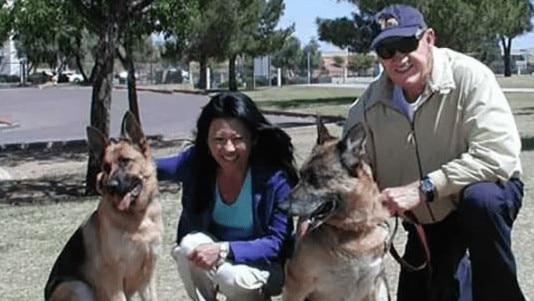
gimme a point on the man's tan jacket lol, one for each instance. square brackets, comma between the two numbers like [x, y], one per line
[463, 132]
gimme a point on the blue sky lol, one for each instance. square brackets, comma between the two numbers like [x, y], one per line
[304, 12]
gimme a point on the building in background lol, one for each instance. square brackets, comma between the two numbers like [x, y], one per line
[9, 62]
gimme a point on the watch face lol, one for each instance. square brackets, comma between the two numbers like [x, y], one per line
[427, 187]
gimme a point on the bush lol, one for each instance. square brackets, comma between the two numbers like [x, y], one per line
[38, 78]
[7, 78]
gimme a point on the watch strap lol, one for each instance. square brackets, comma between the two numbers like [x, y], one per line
[224, 250]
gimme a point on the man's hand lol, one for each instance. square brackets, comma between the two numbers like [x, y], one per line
[205, 256]
[400, 199]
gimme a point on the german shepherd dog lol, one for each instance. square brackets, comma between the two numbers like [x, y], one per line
[340, 257]
[112, 255]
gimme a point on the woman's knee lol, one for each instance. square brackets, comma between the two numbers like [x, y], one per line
[192, 241]
[239, 279]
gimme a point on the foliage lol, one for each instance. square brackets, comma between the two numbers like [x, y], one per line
[176, 25]
[511, 19]
[360, 61]
[5, 21]
[57, 43]
[293, 59]
[312, 48]
[468, 25]
[338, 61]
[224, 30]
[352, 34]
[289, 56]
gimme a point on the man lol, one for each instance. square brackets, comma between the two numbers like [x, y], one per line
[444, 146]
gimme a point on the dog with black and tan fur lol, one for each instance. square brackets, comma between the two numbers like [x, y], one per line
[112, 255]
[341, 255]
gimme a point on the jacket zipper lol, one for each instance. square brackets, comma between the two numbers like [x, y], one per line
[419, 165]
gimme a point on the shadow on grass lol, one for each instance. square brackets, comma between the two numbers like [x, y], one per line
[299, 103]
[524, 111]
[55, 188]
[76, 152]
[64, 188]
[527, 143]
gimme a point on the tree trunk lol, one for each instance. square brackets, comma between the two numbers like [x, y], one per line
[131, 81]
[128, 64]
[232, 80]
[507, 46]
[203, 64]
[101, 97]
[78, 59]
[80, 67]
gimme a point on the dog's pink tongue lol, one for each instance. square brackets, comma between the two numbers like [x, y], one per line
[302, 227]
[125, 202]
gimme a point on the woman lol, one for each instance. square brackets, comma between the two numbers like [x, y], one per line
[232, 238]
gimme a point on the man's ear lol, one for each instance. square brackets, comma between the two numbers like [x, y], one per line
[430, 37]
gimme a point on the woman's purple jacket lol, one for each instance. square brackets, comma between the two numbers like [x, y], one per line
[272, 228]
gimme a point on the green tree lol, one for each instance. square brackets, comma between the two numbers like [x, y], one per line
[5, 21]
[176, 24]
[54, 46]
[289, 57]
[255, 32]
[469, 26]
[338, 61]
[360, 62]
[312, 48]
[353, 34]
[109, 20]
[509, 19]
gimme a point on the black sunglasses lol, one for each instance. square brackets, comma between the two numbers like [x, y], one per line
[389, 47]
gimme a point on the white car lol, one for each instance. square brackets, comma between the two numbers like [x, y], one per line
[73, 77]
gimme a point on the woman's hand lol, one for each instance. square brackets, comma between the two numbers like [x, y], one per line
[205, 256]
[400, 199]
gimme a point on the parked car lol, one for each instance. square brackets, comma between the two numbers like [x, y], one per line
[123, 76]
[73, 77]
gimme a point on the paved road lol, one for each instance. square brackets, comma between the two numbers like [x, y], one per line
[62, 114]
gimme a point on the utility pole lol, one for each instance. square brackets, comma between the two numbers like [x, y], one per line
[309, 66]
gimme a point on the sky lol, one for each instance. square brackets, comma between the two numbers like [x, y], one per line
[304, 12]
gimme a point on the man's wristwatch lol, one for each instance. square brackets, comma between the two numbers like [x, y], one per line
[428, 189]
[224, 249]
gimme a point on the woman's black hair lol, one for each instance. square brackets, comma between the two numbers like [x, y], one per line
[271, 146]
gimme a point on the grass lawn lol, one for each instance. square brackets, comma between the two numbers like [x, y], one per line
[516, 81]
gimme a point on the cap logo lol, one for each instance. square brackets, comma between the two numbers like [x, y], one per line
[387, 21]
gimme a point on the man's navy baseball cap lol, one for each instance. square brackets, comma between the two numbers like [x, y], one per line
[398, 21]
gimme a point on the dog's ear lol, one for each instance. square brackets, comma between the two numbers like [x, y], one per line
[97, 142]
[131, 129]
[322, 132]
[352, 148]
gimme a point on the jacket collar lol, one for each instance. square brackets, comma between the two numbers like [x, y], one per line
[441, 79]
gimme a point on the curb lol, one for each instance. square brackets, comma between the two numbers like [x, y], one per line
[326, 118]
[57, 145]
[164, 91]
